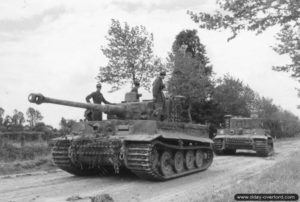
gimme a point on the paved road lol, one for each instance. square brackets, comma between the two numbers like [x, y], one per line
[60, 186]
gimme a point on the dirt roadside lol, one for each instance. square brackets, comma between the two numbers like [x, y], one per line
[225, 171]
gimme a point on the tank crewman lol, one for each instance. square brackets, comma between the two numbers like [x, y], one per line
[158, 95]
[98, 98]
[135, 89]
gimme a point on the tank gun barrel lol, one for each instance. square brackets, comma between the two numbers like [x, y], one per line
[108, 109]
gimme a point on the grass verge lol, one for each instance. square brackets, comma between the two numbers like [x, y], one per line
[283, 178]
[29, 157]
[42, 163]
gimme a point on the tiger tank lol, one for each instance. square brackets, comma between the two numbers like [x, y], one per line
[244, 133]
[133, 138]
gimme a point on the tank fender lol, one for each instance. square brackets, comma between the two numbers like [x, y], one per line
[147, 137]
[220, 136]
[181, 136]
[141, 137]
[259, 137]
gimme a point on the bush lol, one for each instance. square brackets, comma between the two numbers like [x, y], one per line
[11, 152]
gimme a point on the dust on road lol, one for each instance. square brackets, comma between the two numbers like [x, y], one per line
[60, 186]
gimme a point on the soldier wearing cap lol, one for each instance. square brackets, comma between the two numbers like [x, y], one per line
[158, 95]
[135, 89]
[97, 98]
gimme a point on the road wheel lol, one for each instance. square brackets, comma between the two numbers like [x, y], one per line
[178, 162]
[199, 158]
[189, 159]
[166, 163]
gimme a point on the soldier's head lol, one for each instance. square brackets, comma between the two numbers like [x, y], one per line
[136, 83]
[162, 74]
[98, 87]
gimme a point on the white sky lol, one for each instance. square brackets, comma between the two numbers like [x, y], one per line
[53, 47]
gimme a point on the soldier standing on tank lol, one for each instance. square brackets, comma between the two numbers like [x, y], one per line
[158, 95]
[98, 98]
[135, 89]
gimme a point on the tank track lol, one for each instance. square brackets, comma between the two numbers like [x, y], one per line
[141, 159]
[62, 160]
[102, 154]
[264, 147]
[218, 144]
[63, 156]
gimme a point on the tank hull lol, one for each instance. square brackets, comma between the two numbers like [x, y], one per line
[161, 152]
[228, 144]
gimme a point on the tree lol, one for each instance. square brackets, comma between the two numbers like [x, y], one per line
[188, 42]
[189, 78]
[233, 97]
[258, 15]
[190, 70]
[266, 109]
[33, 116]
[17, 118]
[1, 116]
[66, 125]
[130, 56]
[7, 121]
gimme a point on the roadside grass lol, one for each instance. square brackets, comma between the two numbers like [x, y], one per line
[38, 164]
[11, 151]
[283, 178]
[17, 157]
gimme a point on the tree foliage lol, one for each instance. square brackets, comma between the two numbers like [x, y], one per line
[188, 42]
[130, 56]
[258, 15]
[66, 125]
[191, 72]
[234, 97]
[1, 116]
[190, 69]
[265, 108]
[18, 118]
[33, 116]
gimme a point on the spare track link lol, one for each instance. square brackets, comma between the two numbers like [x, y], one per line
[98, 154]
[139, 159]
[61, 158]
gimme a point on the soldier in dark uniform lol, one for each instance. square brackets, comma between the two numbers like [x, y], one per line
[135, 89]
[97, 99]
[158, 95]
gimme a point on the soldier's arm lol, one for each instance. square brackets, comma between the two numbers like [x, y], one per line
[89, 97]
[105, 101]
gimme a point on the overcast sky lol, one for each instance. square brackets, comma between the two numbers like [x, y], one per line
[53, 47]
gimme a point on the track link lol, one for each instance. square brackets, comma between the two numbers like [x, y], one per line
[264, 147]
[84, 158]
[60, 154]
[143, 159]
